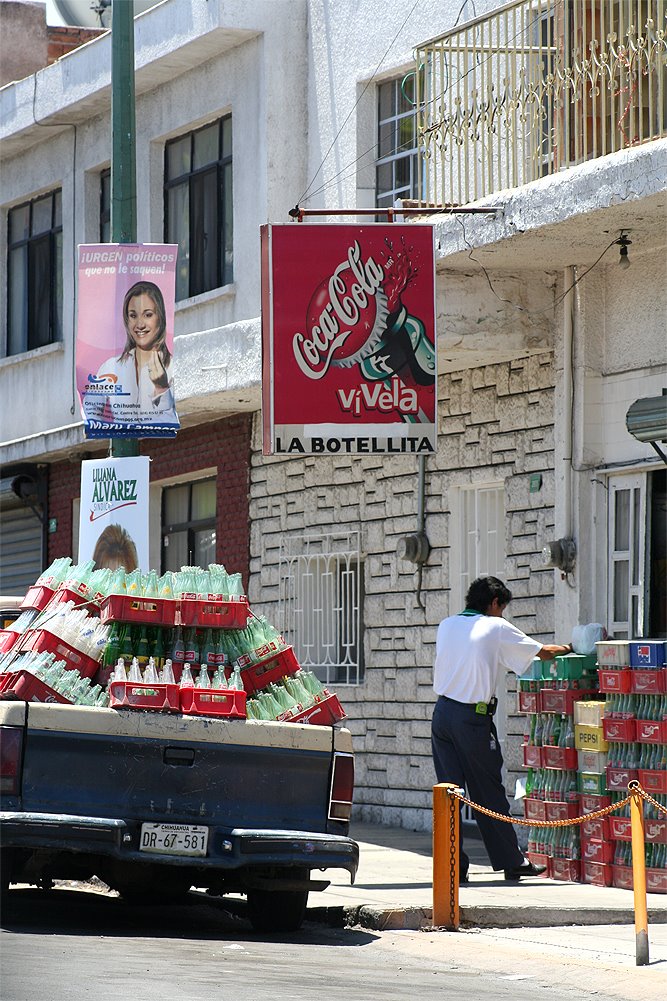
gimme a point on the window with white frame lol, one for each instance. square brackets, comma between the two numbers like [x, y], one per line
[481, 534]
[637, 561]
[478, 550]
[321, 604]
[34, 273]
[396, 169]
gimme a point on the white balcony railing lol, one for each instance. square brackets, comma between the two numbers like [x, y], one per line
[536, 86]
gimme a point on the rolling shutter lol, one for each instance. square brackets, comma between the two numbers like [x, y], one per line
[20, 543]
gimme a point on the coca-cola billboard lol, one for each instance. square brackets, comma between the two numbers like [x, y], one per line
[348, 333]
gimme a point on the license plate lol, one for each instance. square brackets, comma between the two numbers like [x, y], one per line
[174, 839]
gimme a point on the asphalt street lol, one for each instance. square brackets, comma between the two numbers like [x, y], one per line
[68, 945]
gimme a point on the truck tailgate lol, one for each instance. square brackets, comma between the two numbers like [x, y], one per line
[143, 766]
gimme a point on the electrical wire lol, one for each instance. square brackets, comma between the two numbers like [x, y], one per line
[305, 195]
[341, 175]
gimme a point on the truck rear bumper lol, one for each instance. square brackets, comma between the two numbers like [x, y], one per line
[228, 849]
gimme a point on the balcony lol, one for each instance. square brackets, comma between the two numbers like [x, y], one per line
[535, 87]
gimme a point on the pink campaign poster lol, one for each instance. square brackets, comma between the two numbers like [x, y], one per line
[125, 340]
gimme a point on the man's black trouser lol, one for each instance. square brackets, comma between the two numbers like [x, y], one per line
[466, 752]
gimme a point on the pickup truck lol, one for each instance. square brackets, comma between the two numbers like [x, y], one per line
[153, 804]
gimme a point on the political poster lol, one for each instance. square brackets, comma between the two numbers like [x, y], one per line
[348, 339]
[125, 340]
[113, 518]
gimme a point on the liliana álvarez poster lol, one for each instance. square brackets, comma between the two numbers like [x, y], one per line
[348, 332]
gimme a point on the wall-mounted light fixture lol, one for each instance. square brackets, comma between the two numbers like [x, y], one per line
[623, 242]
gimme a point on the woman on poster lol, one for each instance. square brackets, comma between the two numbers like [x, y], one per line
[137, 386]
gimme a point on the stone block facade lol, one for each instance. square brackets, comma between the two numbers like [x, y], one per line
[495, 424]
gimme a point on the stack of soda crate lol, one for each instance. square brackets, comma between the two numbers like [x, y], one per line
[633, 674]
[549, 694]
[596, 853]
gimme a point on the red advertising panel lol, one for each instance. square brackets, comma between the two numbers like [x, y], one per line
[348, 333]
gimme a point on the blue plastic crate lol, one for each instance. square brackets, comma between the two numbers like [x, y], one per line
[647, 653]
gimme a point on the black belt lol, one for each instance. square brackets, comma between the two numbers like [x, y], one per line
[481, 708]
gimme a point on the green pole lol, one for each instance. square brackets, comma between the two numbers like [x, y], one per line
[123, 156]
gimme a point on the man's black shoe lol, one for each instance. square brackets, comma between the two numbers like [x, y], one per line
[527, 869]
[463, 877]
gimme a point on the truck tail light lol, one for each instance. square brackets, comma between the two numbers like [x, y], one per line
[342, 786]
[11, 746]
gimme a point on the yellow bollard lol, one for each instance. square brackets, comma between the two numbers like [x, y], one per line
[639, 878]
[445, 857]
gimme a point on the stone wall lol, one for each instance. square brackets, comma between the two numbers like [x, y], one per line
[496, 423]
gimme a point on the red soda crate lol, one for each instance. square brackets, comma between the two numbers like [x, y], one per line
[41, 640]
[597, 829]
[589, 803]
[216, 613]
[529, 702]
[614, 681]
[650, 682]
[538, 859]
[226, 702]
[22, 686]
[532, 756]
[655, 832]
[534, 809]
[37, 597]
[147, 611]
[619, 730]
[650, 731]
[566, 869]
[68, 592]
[618, 778]
[656, 880]
[653, 782]
[620, 828]
[140, 695]
[555, 810]
[596, 850]
[324, 713]
[259, 675]
[7, 639]
[597, 873]
[561, 700]
[559, 757]
[621, 876]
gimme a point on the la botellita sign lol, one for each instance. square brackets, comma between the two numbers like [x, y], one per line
[348, 339]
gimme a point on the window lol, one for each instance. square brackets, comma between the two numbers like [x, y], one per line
[396, 167]
[105, 206]
[198, 207]
[321, 598]
[637, 586]
[35, 282]
[188, 525]
[478, 518]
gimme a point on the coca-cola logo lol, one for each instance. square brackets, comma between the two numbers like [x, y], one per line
[345, 316]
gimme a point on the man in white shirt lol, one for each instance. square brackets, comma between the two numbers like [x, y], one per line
[472, 649]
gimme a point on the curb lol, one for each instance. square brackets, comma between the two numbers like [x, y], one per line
[418, 918]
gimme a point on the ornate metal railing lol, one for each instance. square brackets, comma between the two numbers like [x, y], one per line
[536, 86]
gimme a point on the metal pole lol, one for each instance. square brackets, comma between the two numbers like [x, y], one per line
[445, 857]
[123, 158]
[639, 879]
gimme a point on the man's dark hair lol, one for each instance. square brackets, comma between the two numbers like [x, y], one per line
[482, 592]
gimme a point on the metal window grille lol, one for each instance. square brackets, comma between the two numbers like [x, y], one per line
[397, 163]
[627, 542]
[321, 600]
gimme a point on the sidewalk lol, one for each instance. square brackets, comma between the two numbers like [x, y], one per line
[394, 890]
